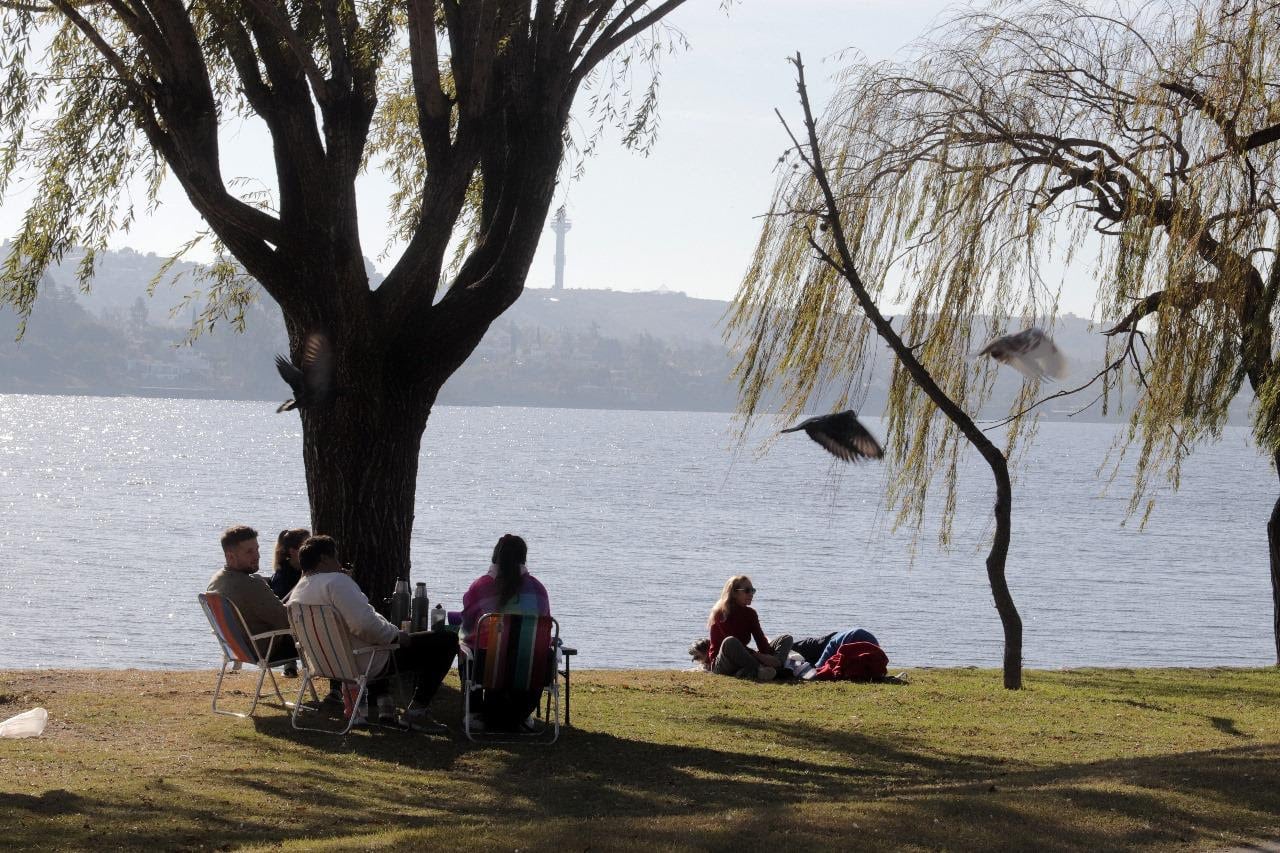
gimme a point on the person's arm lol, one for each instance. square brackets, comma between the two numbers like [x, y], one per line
[765, 649]
[365, 623]
[541, 600]
[261, 609]
[473, 605]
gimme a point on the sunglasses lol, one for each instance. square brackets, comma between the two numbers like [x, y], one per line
[749, 590]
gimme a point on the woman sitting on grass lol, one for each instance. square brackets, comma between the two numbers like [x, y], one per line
[506, 588]
[732, 623]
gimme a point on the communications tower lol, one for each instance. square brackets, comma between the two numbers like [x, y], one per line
[561, 225]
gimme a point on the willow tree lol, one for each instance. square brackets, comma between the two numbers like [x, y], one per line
[807, 316]
[464, 102]
[1145, 134]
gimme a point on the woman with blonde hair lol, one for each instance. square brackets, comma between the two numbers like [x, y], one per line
[732, 624]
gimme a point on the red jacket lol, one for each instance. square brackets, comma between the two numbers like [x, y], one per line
[742, 623]
[855, 662]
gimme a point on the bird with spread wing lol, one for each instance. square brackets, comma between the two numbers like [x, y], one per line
[312, 383]
[843, 435]
[1031, 352]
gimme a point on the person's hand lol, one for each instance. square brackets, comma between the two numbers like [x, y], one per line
[404, 639]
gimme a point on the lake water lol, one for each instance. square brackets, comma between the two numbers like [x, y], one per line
[110, 512]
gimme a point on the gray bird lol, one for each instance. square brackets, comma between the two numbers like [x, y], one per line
[843, 435]
[1030, 352]
[312, 383]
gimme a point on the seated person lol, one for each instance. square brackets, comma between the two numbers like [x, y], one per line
[239, 582]
[732, 624]
[286, 571]
[427, 656]
[506, 588]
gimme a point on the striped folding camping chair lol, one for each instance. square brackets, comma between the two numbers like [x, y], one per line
[325, 646]
[513, 651]
[240, 647]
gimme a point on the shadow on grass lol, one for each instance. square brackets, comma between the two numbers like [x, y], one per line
[620, 792]
[1216, 687]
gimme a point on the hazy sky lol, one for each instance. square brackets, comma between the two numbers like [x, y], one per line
[686, 216]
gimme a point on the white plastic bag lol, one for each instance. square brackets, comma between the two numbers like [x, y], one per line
[29, 724]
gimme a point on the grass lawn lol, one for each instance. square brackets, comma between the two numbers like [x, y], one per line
[1084, 759]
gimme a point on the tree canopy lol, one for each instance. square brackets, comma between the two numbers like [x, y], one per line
[1021, 137]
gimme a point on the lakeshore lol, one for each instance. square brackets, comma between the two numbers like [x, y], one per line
[1155, 759]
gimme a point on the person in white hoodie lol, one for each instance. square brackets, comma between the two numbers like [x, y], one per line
[426, 655]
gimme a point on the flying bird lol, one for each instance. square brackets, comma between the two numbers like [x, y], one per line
[312, 383]
[843, 435]
[1030, 352]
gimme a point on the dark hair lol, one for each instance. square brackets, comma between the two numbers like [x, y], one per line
[233, 536]
[285, 542]
[315, 549]
[509, 555]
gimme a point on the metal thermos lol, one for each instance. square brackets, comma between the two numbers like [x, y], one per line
[420, 607]
[400, 606]
[437, 618]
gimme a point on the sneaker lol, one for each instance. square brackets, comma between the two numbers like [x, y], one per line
[334, 698]
[420, 720]
[291, 670]
[766, 673]
[387, 711]
[531, 726]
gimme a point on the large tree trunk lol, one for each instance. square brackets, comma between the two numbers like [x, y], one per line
[361, 457]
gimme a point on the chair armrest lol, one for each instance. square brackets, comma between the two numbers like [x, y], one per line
[281, 632]
[568, 651]
[464, 650]
[386, 648]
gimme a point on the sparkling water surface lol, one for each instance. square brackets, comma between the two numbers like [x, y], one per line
[111, 508]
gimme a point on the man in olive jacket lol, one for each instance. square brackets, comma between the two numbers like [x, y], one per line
[238, 581]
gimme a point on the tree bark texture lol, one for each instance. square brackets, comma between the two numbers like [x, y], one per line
[361, 459]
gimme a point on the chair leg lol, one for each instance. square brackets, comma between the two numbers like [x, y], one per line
[308, 683]
[217, 692]
[355, 705]
[466, 707]
[566, 690]
[284, 703]
[555, 719]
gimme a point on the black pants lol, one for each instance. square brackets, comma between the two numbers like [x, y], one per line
[282, 649]
[428, 658]
[502, 709]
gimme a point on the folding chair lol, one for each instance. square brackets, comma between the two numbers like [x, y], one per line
[512, 651]
[325, 645]
[241, 647]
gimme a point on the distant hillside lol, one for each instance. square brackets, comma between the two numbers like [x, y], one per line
[571, 348]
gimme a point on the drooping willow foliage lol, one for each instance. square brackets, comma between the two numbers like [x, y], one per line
[1022, 136]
